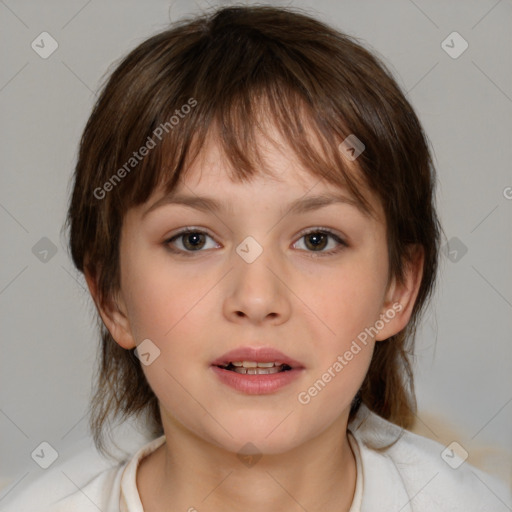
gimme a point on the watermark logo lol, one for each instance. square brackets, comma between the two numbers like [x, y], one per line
[44, 455]
[249, 455]
[44, 45]
[454, 45]
[455, 249]
[454, 455]
[352, 147]
[249, 249]
[147, 352]
[44, 250]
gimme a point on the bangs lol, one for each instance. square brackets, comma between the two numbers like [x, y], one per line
[273, 97]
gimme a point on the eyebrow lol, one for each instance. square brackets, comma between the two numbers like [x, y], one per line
[301, 205]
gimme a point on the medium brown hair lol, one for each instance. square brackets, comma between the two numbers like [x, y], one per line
[232, 67]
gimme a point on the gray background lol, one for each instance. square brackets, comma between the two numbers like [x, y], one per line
[463, 362]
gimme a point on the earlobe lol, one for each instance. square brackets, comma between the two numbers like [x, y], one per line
[113, 313]
[401, 297]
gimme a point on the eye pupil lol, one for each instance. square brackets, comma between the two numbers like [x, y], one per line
[319, 240]
[198, 237]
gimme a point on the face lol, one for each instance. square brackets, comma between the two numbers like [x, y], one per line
[274, 284]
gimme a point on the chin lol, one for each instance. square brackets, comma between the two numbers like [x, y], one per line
[246, 445]
[261, 435]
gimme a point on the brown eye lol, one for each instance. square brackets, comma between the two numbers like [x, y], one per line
[188, 241]
[193, 240]
[318, 240]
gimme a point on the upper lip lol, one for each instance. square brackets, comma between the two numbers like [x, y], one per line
[257, 354]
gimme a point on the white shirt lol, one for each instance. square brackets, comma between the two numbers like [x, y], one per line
[409, 476]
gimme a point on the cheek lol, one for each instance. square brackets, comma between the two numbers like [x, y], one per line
[348, 299]
[343, 347]
[170, 309]
[158, 296]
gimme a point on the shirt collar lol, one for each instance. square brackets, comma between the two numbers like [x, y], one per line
[383, 486]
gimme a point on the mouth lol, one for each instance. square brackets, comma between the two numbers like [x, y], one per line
[255, 368]
[256, 361]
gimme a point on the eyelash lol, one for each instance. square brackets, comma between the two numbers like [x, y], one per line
[313, 254]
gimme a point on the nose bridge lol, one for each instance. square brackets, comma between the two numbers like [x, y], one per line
[257, 290]
[253, 261]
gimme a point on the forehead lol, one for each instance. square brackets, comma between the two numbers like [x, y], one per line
[277, 167]
[215, 193]
[278, 174]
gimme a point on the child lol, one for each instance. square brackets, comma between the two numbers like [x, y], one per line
[253, 210]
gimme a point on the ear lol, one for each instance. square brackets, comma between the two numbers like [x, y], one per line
[112, 311]
[401, 297]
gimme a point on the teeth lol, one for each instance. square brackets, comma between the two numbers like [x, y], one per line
[258, 370]
[254, 364]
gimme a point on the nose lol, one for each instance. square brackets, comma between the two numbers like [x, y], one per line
[257, 291]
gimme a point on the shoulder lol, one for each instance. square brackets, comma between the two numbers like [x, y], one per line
[418, 474]
[85, 481]
[101, 493]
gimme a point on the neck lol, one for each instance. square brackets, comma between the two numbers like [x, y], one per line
[188, 473]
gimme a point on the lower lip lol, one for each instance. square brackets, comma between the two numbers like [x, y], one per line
[257, 384]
